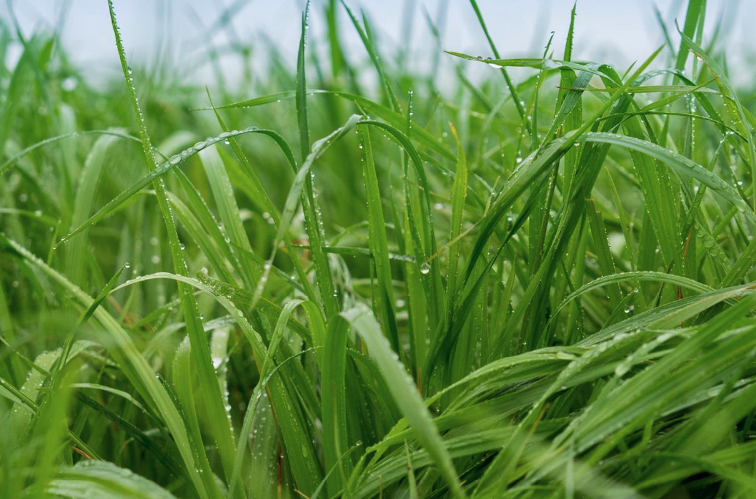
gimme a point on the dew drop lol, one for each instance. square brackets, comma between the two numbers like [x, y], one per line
[69, 84]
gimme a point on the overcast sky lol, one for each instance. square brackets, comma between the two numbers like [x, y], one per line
[615, 31]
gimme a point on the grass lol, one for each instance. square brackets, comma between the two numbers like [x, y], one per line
[363, 283]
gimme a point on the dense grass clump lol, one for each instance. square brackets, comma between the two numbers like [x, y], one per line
[353, 281]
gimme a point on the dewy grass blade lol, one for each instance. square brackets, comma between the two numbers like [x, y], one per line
[185, 393]
[405, 393]
[534, 63]
[333, 395]
[102, 479]
[301, 95]
[379, 244]
[211, 394]
[313, 217]
[680, 164]
[223, 194]
[459, 193]
[601, 245]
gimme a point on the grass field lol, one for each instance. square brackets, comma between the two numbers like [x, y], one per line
[360, 280]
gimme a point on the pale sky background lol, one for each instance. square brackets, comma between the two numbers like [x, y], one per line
[614, 31]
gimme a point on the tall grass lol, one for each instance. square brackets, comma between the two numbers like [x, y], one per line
[363, 283]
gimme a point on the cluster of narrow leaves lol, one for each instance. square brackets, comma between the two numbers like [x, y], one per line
[364, 285]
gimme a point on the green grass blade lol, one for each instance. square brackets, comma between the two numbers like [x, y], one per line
[405, 393]
[209, 388]
[384, 296]
[101, 480]
[223, 193]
